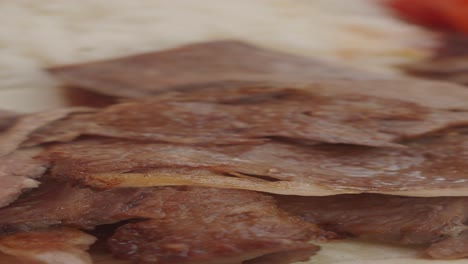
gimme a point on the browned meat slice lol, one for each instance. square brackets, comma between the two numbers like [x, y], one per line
[213, 64]
[432, 94]
[25, 125]
[254, 115]
[452, 45]
[440, 222]
[7, 119]
[50, 246]
[81, 97]
[232, 64]
[17, 173]
[451, 69]
[203, 225]
[183, 225]
[430, 166]
[55, 204]
[449, 63]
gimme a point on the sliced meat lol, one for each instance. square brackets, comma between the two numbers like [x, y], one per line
[50, 246]
[440, 222]
[430, 166]
[15, 135]
[449, 63]
[232, 64]
[453, 45]
[81, 97]
[255, 115]
[431, 94]
[156, 243]
[185, 224]
[446, 69]
[452, 247]
[203, 225]
[221, 64]
[56, 204]
[7, 119]
[18, 172]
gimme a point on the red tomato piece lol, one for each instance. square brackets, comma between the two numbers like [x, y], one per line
[446, 15]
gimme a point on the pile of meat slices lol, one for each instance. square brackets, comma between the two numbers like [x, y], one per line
[223, 152]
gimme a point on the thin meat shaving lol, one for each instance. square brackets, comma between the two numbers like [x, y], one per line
[7, 118]
[430, 166]
[172, 225]
[256, 115]
[176, 221]
[225, 65]
[12, 138]
[450, 63]
[218, 64]
[19, 167]
[18, 172]
[438, 222]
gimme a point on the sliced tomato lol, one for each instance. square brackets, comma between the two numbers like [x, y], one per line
[447, 15]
